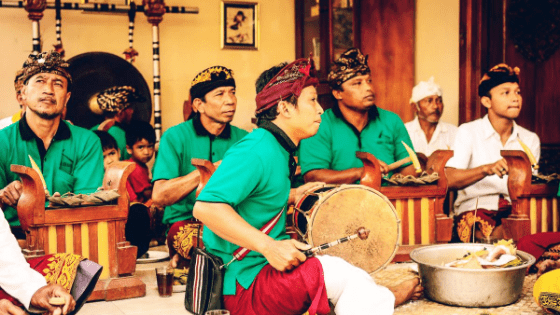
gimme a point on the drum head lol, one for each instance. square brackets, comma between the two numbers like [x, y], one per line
[94, 72]
[342, 212]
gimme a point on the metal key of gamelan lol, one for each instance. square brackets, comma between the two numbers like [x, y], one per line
[362, 233]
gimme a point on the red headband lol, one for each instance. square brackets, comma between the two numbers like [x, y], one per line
[289, 81]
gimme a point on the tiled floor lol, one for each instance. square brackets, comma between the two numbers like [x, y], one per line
[150, 304]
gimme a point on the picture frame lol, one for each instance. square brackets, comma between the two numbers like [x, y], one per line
[240, 25]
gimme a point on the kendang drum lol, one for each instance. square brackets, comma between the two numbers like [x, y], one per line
[331, 212]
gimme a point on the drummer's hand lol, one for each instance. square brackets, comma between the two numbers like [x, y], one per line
[297, 193]
[285, 255]
[546, 266]
[383, 167]
[8, 308]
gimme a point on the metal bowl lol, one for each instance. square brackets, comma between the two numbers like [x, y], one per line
[468, 287]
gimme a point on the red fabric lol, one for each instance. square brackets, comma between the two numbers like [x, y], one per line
[138, 181]
[182, 236]
[537, 244]
[39, 264]
[487, 220]
[293, 77]
[275, 292]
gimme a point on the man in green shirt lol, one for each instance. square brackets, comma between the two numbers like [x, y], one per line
[69, 157]
[251, 189]
[116, 105]
[207, 136]
[354, 124]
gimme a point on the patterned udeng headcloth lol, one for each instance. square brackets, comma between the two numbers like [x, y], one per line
[18, 83]
[46, 62]
[350, 64]
[209, 79]
[499, 74]
[117, 98]
[289, 81]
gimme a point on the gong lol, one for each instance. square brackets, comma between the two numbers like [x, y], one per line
[94, 72]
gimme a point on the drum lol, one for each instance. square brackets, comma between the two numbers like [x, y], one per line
[328, 213]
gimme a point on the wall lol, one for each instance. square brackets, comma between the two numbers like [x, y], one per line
[437, 50]
[188, 43]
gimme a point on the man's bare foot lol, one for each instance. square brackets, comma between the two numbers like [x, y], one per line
[546, 266]
[175, 260]
[408, 290]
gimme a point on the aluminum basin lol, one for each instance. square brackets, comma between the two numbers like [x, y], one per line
[468, 287]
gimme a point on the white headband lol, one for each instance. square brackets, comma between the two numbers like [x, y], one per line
[425, 89]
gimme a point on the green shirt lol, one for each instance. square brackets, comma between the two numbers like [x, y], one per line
[119, 134]
[254, 179]
[335, 145]
[180, 144]
[72, 163]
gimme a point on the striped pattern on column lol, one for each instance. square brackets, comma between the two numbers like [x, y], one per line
[36, 39]
[90, 240]
[157, 87]
[417, 220]
[544, 215]
[131, 37]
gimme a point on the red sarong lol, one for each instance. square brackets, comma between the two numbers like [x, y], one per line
[57, 269]
[487, 220]
[183, 236]
[538, 244]
[276, 292]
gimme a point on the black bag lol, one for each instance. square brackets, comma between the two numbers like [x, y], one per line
[205, 282]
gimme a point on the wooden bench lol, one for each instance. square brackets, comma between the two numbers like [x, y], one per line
[534, 206]
[420, 208]
[95, 232]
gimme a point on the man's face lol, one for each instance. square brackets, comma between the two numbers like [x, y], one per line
[307, 114]
[357, 93]
[506, 100]
[430, 108]
[110, 156]
[220, 104]
[46, 95]
[142, 151]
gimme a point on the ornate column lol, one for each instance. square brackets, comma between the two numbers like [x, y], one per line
[154, 10]
[58, 46]
[35, 10]
[130, 53]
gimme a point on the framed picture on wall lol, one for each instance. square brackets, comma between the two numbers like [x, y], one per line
[240, 25]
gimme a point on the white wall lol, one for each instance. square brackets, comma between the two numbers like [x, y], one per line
[188, 44]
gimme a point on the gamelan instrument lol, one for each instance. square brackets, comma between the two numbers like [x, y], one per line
[334, 212]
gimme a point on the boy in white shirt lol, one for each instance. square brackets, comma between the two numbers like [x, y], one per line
[477, 169]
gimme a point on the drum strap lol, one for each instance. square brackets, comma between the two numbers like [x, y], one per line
[241, 252]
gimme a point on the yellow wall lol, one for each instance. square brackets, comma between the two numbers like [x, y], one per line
[437, 50]
[188, 43]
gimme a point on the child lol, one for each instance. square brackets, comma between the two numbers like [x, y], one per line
[140, 139]
[111, 152]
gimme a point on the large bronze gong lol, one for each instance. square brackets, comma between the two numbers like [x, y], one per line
[95, 71]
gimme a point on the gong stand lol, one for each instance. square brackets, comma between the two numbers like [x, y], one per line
[154, 10]
[58, 46]
[130, 53]
[420, 208]
[35, 10]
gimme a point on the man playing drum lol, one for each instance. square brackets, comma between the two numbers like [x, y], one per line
[477, 169]
[207, 136]
[354, 124]
[251, 187]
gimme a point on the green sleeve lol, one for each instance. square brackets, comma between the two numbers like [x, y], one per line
[401, 135]
[168, 161]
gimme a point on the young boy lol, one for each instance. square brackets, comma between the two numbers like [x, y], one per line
[140, 140]
[111, 152]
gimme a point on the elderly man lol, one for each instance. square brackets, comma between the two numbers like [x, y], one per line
[477, 169]
[243, 206]
[5, 122]
[69, 157]
[207, 136]
[116, 105]
[427, 133]
[354, 124]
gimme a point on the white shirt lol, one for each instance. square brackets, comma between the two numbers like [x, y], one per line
[476, 144]
[5, 122]
[442, 139]
[16, 277]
